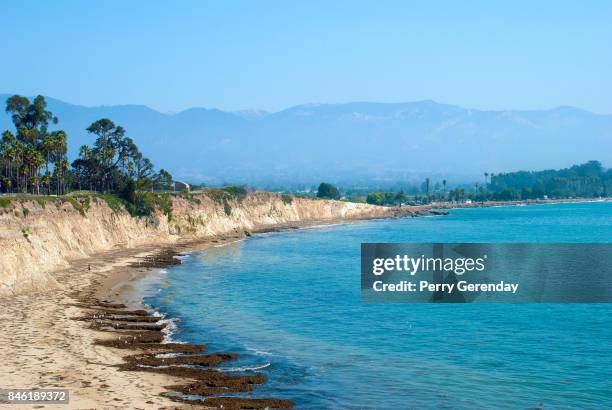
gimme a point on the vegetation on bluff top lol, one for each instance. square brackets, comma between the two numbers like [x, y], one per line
[33, 160]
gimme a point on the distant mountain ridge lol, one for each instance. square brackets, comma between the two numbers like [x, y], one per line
[358, 141]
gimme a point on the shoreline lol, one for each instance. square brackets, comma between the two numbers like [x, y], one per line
[51, 340]
[150, 349]
[43, 340]
[133, 297]
[527, 202]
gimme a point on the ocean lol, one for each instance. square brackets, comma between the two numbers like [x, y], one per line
[289, 304]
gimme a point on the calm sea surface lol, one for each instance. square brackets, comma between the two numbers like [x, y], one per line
[289, 303]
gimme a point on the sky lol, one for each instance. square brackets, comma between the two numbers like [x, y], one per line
[233, 55]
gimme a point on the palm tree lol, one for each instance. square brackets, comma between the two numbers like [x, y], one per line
[8, 184]
[4, 150]
[80, 166]
[47, 148]
[61, 166]
[34, 160]
[22, 178]
[60, 148]
[33, 146]
[46, 181]
[9, 153]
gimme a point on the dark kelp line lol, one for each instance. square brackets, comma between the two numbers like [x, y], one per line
[142, 332]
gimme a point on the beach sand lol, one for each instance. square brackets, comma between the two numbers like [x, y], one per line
[43, 347]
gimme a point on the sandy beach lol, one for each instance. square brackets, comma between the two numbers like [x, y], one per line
[47, 344]
[45, 348]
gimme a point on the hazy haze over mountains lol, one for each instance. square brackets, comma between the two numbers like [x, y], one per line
[353, 142]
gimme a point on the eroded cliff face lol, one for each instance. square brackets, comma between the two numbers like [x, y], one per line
[38, 237]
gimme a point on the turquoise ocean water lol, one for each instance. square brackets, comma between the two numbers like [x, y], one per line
[289, 303]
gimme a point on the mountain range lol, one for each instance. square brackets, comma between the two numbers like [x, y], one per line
[350, 142]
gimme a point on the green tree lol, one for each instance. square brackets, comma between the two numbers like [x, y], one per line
[113, 160]
[109, 140]
[376, 198]
[25, 152]
[144, 171]
[328, 191]
[164, 181]
[59, 150]
[584, 180]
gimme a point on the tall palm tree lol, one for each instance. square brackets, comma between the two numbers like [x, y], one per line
[60, 148]
[8, 155]
[61, 166]
[34, 160]
[47, 148]
[46, 181]
[22, 176]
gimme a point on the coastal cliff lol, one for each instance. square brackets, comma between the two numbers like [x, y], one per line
[39, 235]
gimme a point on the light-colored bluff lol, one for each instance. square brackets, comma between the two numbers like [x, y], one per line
[39, 236]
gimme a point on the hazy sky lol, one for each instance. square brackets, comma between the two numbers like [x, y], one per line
[171, 55]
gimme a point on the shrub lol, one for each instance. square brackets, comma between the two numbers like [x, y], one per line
[128, 192]
[146, 203]
[77, 205]
[287, 199]
[217, 195]
[86, 202]
[382, 198]
[227, 208]
[238, 192]
[43, 200]
[189, 197]
[114, 202]
[163, 202]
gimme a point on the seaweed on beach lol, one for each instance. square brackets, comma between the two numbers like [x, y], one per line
[139, 330]
[101, 324]
[118, 318]
[235, 403]
[161, 259]
[213, 359]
